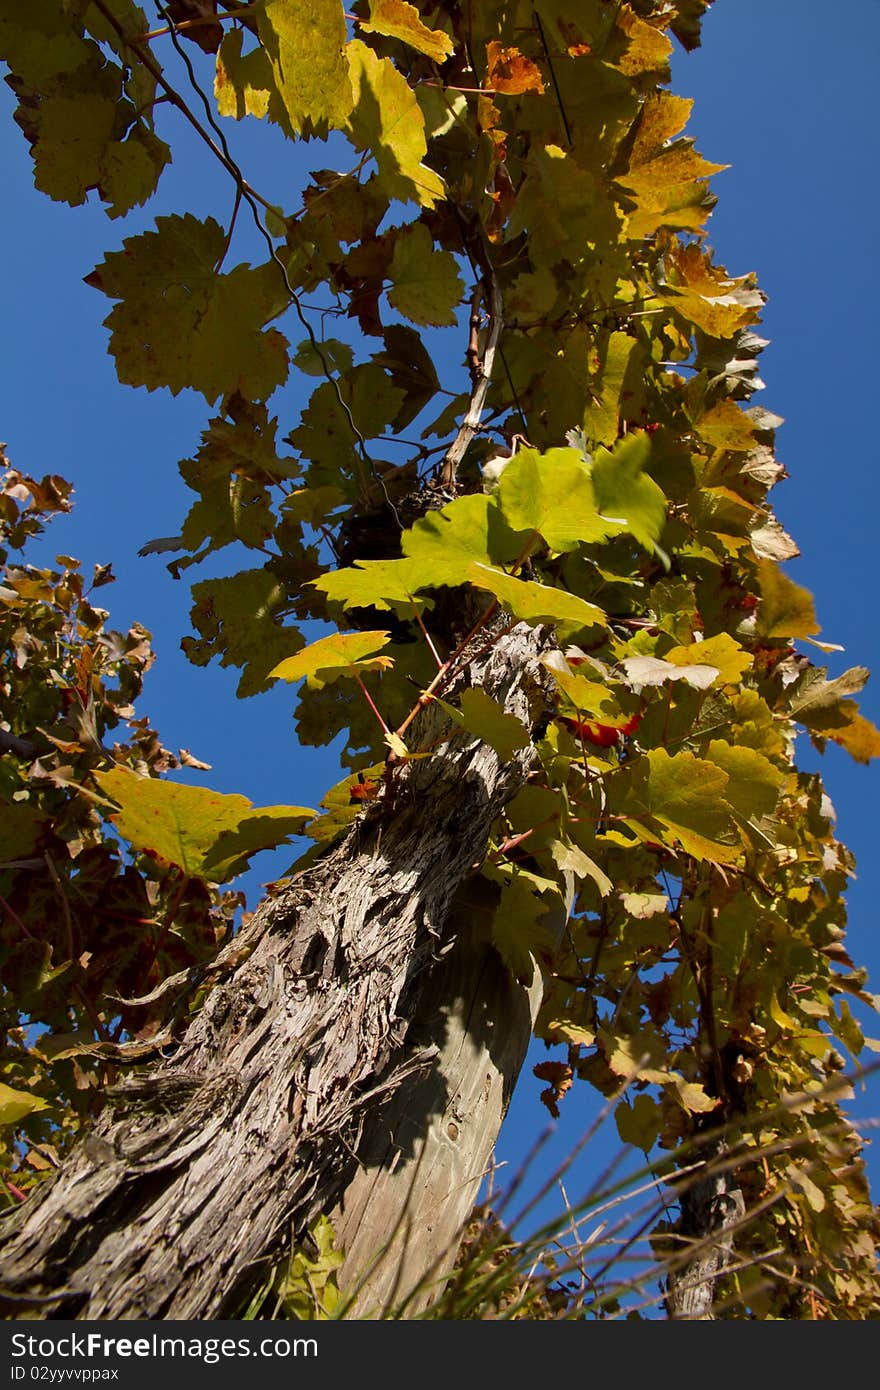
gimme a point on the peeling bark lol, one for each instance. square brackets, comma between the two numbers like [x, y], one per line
[173, 1205]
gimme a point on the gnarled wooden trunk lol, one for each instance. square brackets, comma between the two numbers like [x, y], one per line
[298, 1063]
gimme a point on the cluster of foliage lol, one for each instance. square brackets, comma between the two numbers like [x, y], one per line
[520, 178]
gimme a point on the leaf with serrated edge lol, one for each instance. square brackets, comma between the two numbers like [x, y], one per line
[552, 494]
[536, 603]
[340, 654]
[306, 49]
[397, 19]
[194, 827]
[387, 121]
[425, 284]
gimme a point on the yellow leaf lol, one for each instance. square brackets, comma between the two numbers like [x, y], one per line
[726, 427]
[387, 120]
[340, 654]
[306, 49]
[15, 1105]
[648, 49]
[398, 20]
[721, 651]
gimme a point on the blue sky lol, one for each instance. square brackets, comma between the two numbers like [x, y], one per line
[784, 93]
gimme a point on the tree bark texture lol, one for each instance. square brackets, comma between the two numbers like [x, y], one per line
[712, 1210]
[175, 1203]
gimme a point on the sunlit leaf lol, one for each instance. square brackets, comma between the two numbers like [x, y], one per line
[399, 20]
[205, 833]
[341, 654]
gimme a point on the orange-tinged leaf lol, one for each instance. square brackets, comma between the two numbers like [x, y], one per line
[511, 72]
[859, 737]
[559, 1075]
[205, 833]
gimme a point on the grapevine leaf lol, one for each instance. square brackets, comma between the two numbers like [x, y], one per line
[382, 584]
[483, 716]
[648, 49]
[205, 833]
[15, 1105]
[639, 1122]
[305, 45]
[650, 670]
[720, 651]
[388, 122]
[76, 149]
[397, 19]
[552, 494]
[753, 783]
[703, 293]
[666, 177]
[243, 82]
[785, 610]
[686, 795]
[180, 323]
[536, 603]
[624, 490]
[426, 285]
[21, 826]
[603, 413]
[341, 654]
[511, 72]
[237, 619]
[447, 542]
[517, 927]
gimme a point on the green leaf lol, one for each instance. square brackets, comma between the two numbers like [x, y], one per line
[338, 356]
[15, 1105]
[382, 584]
[785, 610]
[571, 859]
[205, 833]
[181, 323]
[624, 490]
[686, 795]
[753, 781]
[602, 416]
[306, 45]
[340, 654]
[237, 619]
[397, 19]
[426, 285]
[484, 717]
[536, 603]
[76, 148]
[388, 122]
[552, 494]
[639, 1122]
[517, 927]
[21, 826]
[448, 541]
